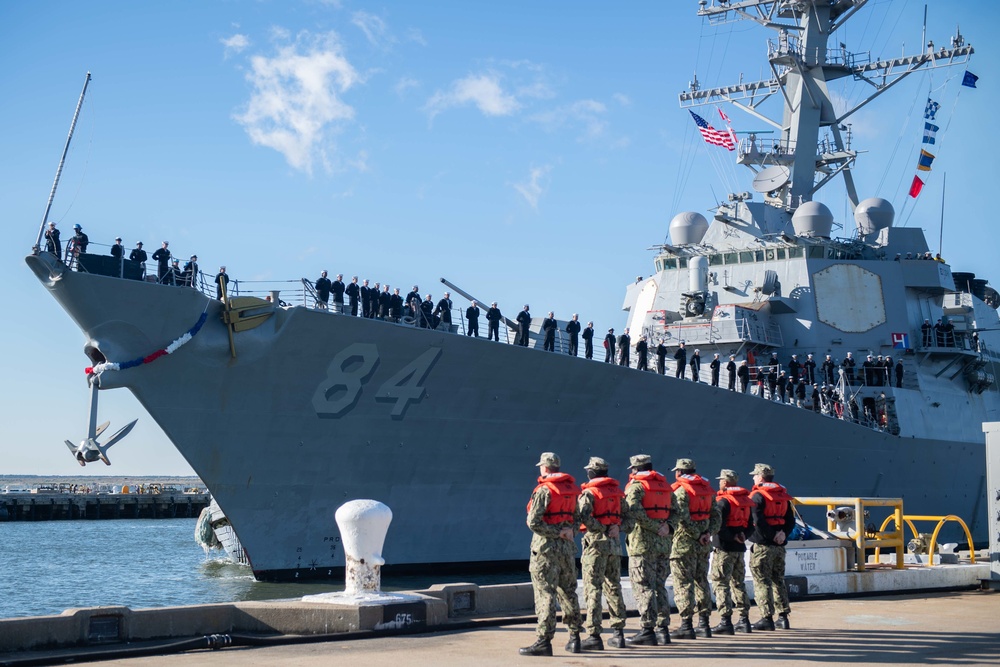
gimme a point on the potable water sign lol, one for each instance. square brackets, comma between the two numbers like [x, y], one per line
[363, 525]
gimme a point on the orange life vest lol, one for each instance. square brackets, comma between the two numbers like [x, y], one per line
[776, 501]
[607, 500]
[739, 506]
[700, 495]
[658, 497]
[562, 503]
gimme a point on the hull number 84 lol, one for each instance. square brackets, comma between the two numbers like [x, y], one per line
[351, 369]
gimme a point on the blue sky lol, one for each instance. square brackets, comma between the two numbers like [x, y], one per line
[529, 152]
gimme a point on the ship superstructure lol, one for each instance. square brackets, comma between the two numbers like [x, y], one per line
[445, 429]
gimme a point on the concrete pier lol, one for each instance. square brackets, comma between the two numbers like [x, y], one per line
[93, 506]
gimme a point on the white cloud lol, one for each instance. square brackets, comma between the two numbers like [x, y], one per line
[296, 103]
[587, 114]
[622, 99]
[536, 185]
[414, 35]
[373, 26]
[404, 84]
[482, 90]
[235, 44]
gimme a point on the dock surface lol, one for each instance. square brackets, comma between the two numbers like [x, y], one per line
[929, 628]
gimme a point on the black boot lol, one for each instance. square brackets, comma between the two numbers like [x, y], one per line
[617, 639]
[573, 645]
[725, 626]
[765, 623]
[703, 629]
[686, 631]
[743, 625]
[662, 635]
[593, 643]
[644, 637]
[782, 622]
[540, 647]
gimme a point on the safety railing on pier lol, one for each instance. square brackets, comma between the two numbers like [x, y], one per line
[932, 546]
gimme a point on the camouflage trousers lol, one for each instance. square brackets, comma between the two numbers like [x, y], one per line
[648, 574]
[603, 573]
[553, 575]
[690, 572]
[767, 565]
[728, 574]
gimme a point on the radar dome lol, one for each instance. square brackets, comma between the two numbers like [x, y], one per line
[688, 228]
[812, 219]
[872, 215]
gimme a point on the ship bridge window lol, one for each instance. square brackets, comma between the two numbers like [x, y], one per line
[746, 256]
[816, 252]
[682, 263]
[731, 258]
[781, 253]
[714, 260]
[758, 255]
[769, 254]
[795, 252]
[669, 264]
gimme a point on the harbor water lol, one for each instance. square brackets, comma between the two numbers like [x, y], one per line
[51, 566]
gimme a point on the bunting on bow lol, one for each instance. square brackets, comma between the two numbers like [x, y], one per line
[924, 161]
[150, 358]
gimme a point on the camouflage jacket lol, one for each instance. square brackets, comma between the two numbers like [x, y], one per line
[688, 531]
[642, 537]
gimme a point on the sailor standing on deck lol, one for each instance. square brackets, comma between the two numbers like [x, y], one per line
[523, 326]
[680, 356]
[139, 255]
[728, 570]
[648, 501]
[396, 305]
[353, 292]
[323, 287]
[696, 519]
[601, 507]
[642, 354]
[588, 341]
[162, 259]
[716, 366]
[444, 309]
[661, 358]
[848, 365]
[773, 519]
[338, 288]
[118, 250]
[493, 317]
[743, 373]
[609, 347]
[472, 315]
[52, 243]
[573, 329]
[731, 370]
[549, 326]
[553, 519]
[384, 302]
[624, 348]
[695, 365]
[221, 283]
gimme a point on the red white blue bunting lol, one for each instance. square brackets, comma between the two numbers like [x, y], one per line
[150, 358]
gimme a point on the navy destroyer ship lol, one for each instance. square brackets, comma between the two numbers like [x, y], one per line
[445, 428]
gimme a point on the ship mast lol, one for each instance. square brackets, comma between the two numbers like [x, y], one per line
[62, 160]
[802, 65]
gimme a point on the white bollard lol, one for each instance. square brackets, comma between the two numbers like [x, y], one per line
[363, 525]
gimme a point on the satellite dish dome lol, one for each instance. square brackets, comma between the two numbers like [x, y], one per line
[688, 228]
[812, 219]
[873, 214]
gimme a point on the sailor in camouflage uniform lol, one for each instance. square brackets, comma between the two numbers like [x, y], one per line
[773, 518]
[696, 519]
[553, 518]
[648, 501]
[601, 507]
[728, 571]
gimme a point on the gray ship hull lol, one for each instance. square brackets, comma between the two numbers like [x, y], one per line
[318, 409]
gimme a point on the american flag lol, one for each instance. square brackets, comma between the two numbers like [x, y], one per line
[712, 135]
